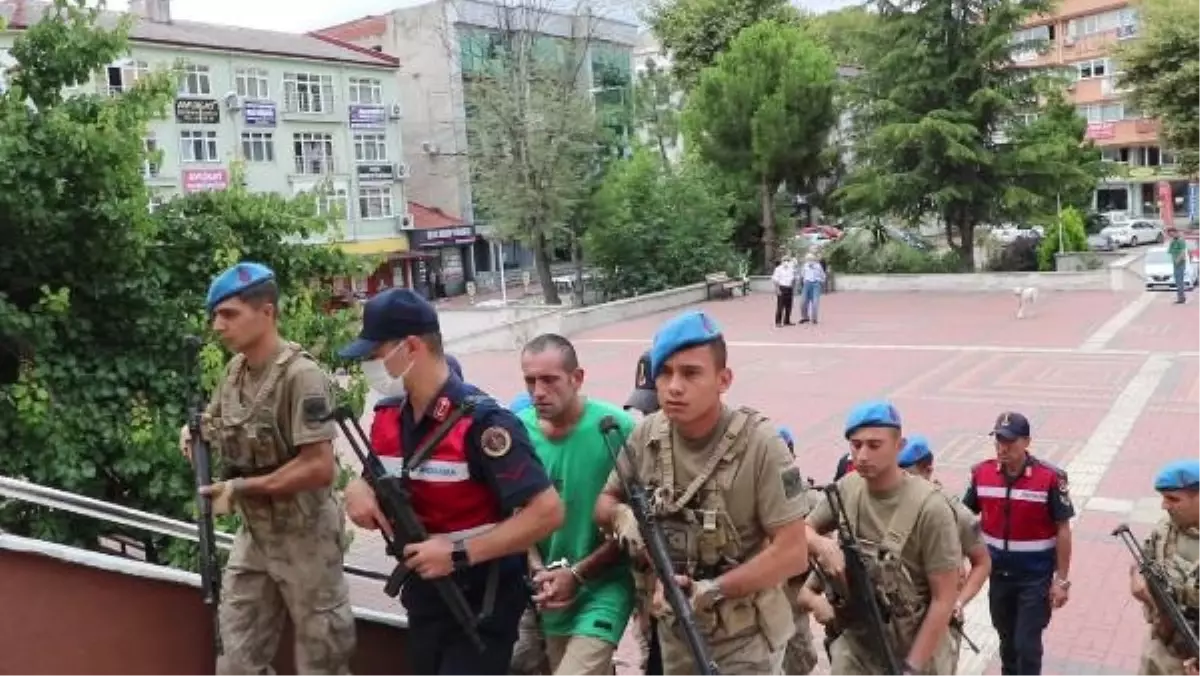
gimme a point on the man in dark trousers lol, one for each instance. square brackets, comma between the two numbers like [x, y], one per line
[784, 279]
[1025, 515]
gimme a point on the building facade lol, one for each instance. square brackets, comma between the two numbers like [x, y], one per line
[440, 45]
[298, 113]
[1081, 36]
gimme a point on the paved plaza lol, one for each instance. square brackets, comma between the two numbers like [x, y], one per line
[1109, 382]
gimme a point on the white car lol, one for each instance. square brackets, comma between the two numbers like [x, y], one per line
[1159, 271]
[1135, 232]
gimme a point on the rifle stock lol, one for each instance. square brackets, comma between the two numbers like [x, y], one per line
[656, 546]
[210, 567]
[1157, 584]
[859, 592]
[395, 501]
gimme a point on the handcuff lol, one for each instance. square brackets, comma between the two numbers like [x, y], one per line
[563, 563]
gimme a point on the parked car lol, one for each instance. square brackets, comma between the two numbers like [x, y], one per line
[1101, 242]
[1159, 271]
[1007, 234]
[1135, 232]
[825, 231]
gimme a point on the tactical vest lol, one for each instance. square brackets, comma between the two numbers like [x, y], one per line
[703, 539]
[903, 608]
[251, 442]
[1183, 575]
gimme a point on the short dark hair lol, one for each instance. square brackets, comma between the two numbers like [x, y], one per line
[548, 341]
[720, 351]
[433, 342]
[260, 294]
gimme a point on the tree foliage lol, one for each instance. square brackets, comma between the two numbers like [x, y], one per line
[657, 102]
[656, 228]
[847, 33]
[1074, 238]
[98, 294]
[1163, 69]
[937, 121]
[694, 32]
[765, 110]
[533, 133]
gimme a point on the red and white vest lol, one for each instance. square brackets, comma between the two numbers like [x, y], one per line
[1017, 523]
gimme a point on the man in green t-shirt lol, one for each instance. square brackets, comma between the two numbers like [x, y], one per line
[1177, 249]
[583, 586]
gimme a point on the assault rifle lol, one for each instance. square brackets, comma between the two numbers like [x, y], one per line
[210, 568]
[656, 546]
[858, 593]
[395, 501]
[1160, 590]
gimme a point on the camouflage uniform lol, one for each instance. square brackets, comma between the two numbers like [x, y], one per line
[287, 555]
[1178, 552]
[800, 657]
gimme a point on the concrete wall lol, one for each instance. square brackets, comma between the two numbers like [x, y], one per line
[1115, 277]
[465, 322]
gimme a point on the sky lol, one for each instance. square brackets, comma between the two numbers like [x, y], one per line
[304, 15]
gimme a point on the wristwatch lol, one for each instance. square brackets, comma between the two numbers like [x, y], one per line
[458, 556]
[1062, 582]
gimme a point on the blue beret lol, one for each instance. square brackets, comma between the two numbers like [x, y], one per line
[392, 315]
[687, 330]
[520, 403]
[915, 451]
[788, 438]
[877, 413]
[1177, 475]
[234, 281]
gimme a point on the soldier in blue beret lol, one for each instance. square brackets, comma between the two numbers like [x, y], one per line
[482, 493]
[1175, 546]
[891, 511]
[287, 556]
[740, 520]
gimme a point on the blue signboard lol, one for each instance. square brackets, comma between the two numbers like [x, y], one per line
[367, 117]
[260, 113]
[1193, 201]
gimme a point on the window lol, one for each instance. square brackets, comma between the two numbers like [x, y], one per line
[366, 91]
[6, 62]
[370, 148]
[252, 83]
[156, 202]
[374, 202]
[1086, 70]
[123, 75]
[1127, 24]
[1029, 42]
[333, 202]
[197, 146]
[151, 165]
[1097, 113]
[314, 153]
[195, 80]
[258, 146]
[308, 93]
[1093, 24]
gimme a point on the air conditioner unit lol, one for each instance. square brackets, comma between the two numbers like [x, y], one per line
[233, 101]
[396, 111]
[407, 222]
[400, 170]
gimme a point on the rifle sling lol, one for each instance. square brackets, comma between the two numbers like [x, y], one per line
[418, 458]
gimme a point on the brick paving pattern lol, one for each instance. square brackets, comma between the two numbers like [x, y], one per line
[1109, 381]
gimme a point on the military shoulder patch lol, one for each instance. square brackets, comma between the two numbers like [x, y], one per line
[315, 407]
[793, 483]
[495, 442]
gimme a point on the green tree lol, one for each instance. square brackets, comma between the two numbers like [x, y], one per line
[97, 294]
[532, 131]
[655, 228]
[936, 135]
[1074, 238]
[694, 32]
[765, 110]
[1162, 67]
[1050, 162]
[846, 32]
[657, 109]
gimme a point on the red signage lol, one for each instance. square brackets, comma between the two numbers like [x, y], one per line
[195, 180]
[1166, 204]
[1101, 130]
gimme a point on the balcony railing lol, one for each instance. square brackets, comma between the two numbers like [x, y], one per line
[314, 166]
[308, 103]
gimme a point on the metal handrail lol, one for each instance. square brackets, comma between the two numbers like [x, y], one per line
[26, 491]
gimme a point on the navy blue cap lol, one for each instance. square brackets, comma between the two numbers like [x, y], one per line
[788, 438]
[392, 315]
[521, 402]
[685, 331]
[878, 413]
[916, 450]
[645, 396]
[1010, 426]
[1178, 475]
[455, 366]
[235, 280]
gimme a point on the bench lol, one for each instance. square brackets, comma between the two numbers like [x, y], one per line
[719, 284]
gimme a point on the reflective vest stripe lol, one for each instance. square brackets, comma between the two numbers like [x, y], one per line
[1016, 494]
[433, 471]
[1021, 545]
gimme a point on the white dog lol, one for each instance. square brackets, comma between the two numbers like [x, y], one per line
[1026, 298]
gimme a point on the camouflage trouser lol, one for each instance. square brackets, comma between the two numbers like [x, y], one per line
[529, 657]
[1157, 659]
[741, 655]
[800, 656]
[299, 573]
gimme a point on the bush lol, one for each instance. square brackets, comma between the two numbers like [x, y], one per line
[1074, 238]
[859, 252]
[1020, 255]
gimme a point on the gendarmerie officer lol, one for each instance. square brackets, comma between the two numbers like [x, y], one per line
[1025, 515]
[467, 493]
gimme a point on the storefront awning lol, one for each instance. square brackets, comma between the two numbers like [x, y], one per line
[375, 246]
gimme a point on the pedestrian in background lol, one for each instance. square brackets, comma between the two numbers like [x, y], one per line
[1179, 259]
[812, 278]
[784, 279]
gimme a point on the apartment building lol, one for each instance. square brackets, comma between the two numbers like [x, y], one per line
[442, 44]
[1081, 36]
[298, 112]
